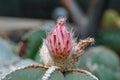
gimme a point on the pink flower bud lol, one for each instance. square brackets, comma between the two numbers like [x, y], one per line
[60, 48]
[60, 41]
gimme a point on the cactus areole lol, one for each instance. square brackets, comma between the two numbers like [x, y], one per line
[60, 49]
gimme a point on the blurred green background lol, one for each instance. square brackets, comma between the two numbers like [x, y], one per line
[25, 23]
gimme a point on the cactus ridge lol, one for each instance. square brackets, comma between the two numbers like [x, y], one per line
[48, 73]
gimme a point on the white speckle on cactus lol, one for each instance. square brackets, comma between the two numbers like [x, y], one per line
[49, 72]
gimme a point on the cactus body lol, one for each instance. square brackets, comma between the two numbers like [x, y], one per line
[110, 37]
[36, 72]
[102, 62]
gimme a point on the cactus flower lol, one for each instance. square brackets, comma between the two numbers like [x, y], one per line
[60, 41]
[62, 51]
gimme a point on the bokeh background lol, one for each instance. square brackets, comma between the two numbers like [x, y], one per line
[25, 23]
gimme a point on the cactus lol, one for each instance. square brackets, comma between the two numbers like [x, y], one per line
[30, 72]
[117, 75]
[9, 61]
[104, 73]
[59, 54]
[37, 58]
[102, 62]
[5, 69]
[36, 72]
[31, 43]
[6, 53]
[110, 37]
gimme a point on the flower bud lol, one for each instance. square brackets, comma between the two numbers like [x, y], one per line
[60, 41]
[60, 47]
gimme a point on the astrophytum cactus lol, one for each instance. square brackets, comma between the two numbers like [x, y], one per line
[60, 48]
[59, 54]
